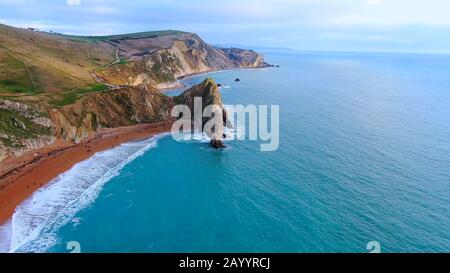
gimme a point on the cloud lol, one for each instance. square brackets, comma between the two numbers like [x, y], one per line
[307, 24]
[73, 2]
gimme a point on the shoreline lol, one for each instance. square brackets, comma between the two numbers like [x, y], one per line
[185, 77]
[188, 76]
[28, 173]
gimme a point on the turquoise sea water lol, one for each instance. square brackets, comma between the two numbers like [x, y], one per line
[364, 156]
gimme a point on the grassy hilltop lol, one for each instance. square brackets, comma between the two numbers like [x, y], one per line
[37, 66]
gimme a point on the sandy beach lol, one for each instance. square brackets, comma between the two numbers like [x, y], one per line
[23, 175]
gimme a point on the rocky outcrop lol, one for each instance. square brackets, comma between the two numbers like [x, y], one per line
[184, 54]
[25, 127]
[243, 58]
[117, 108]
[209, 92]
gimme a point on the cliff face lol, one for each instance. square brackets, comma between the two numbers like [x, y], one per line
[25, 126]
[117, 108]
[180, 55]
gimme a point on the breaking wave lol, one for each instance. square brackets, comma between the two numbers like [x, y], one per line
[34, 225]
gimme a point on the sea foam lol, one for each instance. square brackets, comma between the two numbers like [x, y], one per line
[202, 137]
[35, 222]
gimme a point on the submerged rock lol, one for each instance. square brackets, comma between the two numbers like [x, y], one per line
[237, 80]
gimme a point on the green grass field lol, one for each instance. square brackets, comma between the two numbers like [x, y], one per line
[14, 77]
[72, 96]
[93, 39]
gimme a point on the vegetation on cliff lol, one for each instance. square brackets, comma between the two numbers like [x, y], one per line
[80, 84]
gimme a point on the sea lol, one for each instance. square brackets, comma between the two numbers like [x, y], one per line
[363, 161]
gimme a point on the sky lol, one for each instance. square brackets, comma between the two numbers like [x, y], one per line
[330, 25]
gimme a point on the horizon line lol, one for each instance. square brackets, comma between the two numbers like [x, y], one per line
[248, 46]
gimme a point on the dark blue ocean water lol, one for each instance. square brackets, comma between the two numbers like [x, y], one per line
[364, 156]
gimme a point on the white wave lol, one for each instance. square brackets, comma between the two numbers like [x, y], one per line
[202, 137]
[5, 237]
[35, 222]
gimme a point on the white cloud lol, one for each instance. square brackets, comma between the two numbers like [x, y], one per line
[319, 24]
[73, 2]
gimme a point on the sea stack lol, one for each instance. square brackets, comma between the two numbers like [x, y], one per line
[209, 92]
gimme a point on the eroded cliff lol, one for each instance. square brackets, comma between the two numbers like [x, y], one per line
[54, 86]
[210, 95]
[25, 126]
[178, 55]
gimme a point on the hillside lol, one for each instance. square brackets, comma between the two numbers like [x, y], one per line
[35, 63]
[63, 87]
